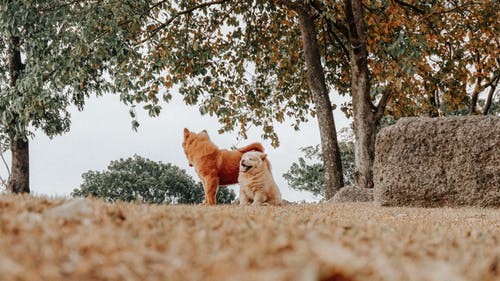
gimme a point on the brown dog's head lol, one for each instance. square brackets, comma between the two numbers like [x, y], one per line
[189, 138]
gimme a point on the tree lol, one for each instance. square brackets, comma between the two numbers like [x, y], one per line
[152, 182]
[243, 61]
[365, 117]
[457, 40]
[331, 158]
[465, 56]
[56, 53]
[400, 60]
[307, 174]
[255, 62]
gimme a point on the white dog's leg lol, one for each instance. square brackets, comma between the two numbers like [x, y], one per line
[244, 200]
[259, 198]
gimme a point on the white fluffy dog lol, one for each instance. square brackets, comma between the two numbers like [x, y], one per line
[257, 184]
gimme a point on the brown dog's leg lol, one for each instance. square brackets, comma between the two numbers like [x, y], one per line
[211, 190]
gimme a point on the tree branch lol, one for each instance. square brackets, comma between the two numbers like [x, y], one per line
[337, 39]
[178, 14]
[164, 24]
[380, 108]
[55, 8]
[290, 4]
[493, 86]
[4, 182]
[412, 7]
[475, 96]
[5, 163]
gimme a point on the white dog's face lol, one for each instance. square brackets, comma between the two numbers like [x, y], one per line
[251, 160]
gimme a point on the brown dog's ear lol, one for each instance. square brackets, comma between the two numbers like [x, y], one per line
[186, 132]
[204, 132]
[263, 156]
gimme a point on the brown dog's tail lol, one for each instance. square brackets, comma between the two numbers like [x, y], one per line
[253, 146]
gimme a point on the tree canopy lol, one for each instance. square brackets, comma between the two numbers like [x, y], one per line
[67, 51]
[242, 60]
[138, 178]
[57, 53]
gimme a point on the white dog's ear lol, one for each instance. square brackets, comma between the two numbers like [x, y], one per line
[263, 156]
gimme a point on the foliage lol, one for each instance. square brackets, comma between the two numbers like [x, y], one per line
[435, 57]
[308, 173]
[304, 176]
[152, 182]
[69, 51]
[242, 60]
[495, 106]
[237, 60]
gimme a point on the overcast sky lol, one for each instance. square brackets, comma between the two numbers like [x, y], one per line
[102, 133]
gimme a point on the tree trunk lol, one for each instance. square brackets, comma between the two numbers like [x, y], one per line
[19, 178]
[364, 116]
[316, 80]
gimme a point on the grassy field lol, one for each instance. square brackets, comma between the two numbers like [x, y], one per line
[52, 239]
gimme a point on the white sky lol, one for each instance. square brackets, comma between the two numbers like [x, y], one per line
[102, 133]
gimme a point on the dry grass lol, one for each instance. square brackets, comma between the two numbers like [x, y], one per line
[40, 239]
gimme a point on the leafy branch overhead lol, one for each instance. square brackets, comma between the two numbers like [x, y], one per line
[242, 61]
[239, 60]
[62, 59]
[233, 59]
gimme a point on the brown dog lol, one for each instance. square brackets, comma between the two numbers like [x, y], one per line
[215, 167]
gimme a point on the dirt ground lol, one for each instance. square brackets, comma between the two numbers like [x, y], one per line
[53, 239]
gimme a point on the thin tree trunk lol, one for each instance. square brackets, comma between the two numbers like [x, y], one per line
[489, 99]
[364, 117]
[474, 97]
[19, 147]
[434, 111]
[316, 80]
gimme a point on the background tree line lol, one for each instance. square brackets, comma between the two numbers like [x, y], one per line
[248, 63]
[140, 179]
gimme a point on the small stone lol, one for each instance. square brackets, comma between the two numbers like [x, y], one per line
[74, 210]
[353, 194]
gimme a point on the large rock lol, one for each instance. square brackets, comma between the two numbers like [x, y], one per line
[434, 162]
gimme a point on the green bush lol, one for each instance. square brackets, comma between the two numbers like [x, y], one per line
[151, 182]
